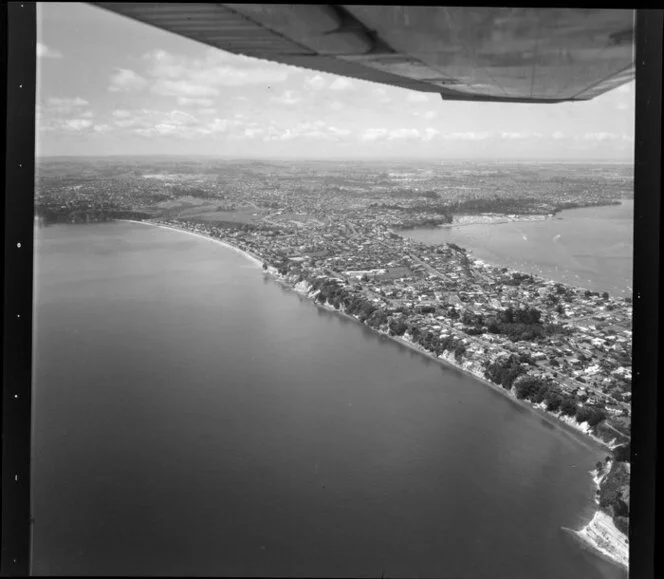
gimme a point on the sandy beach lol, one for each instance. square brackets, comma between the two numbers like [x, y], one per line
[247, 254]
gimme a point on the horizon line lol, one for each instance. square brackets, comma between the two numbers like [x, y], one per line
[295, 158]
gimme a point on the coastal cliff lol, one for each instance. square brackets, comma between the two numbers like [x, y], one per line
[470, 366]
[336, 294]
[602, 533]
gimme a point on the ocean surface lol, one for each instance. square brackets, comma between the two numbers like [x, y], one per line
[590, 247]
[192, 417]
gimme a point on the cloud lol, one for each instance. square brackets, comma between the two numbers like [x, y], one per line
[401, 134]
[374, 134]
[194, 80]
[183, 89]
[142, 118]
[468, 136]
[252, 132]
[317, 130]
[44, 51]
[77, 124]
[381, 95]
[417, 97]
[558, 135]
[197, 101]
[223, 125]
[289, 97]
[126, 123]
[430, 134]
[600, 136]
[180, 118]
[123, 80]
[158, 130]
[514, 136]
[426, 115]
[56, 113]
[336, 105]
[339, 132]
[66, 103]
[316, 82]
[341, 83]
[102, 128]
[176, 124]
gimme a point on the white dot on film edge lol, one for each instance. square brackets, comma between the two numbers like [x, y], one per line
[18, 245]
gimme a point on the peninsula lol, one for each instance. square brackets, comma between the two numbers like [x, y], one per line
[332, 231]
[511, 331]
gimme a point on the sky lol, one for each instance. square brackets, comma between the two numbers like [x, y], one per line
[107, 85]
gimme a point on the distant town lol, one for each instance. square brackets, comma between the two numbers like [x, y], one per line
[334, 231]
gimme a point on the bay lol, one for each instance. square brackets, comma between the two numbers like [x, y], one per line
[193, 417]
[591, 247]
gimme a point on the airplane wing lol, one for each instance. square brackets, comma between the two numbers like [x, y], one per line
[527, 55]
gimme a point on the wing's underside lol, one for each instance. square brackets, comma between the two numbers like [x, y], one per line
[475, 54]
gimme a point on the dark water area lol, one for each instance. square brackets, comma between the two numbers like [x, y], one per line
[192, 417]
[591, 247]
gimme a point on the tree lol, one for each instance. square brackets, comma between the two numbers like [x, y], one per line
[493, 327]
[583, 413]
[605, 295]
[553, 401]
[507, 315]
[264, 266]
[541, 393]
[459, 352]
[596, 417]
[398, 327]
[568, 407]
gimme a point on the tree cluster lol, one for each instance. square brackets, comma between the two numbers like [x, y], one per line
[520, 324]
[613, 492]
[505, 371]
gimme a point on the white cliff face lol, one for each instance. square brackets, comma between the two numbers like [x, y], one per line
[602, 534]
[302, 287]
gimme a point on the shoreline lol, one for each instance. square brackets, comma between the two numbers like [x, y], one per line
[600, 534]
[489, 218]
[553, 418]
[494, 219]
[568, 426]
[601, 537]
[251, 257]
